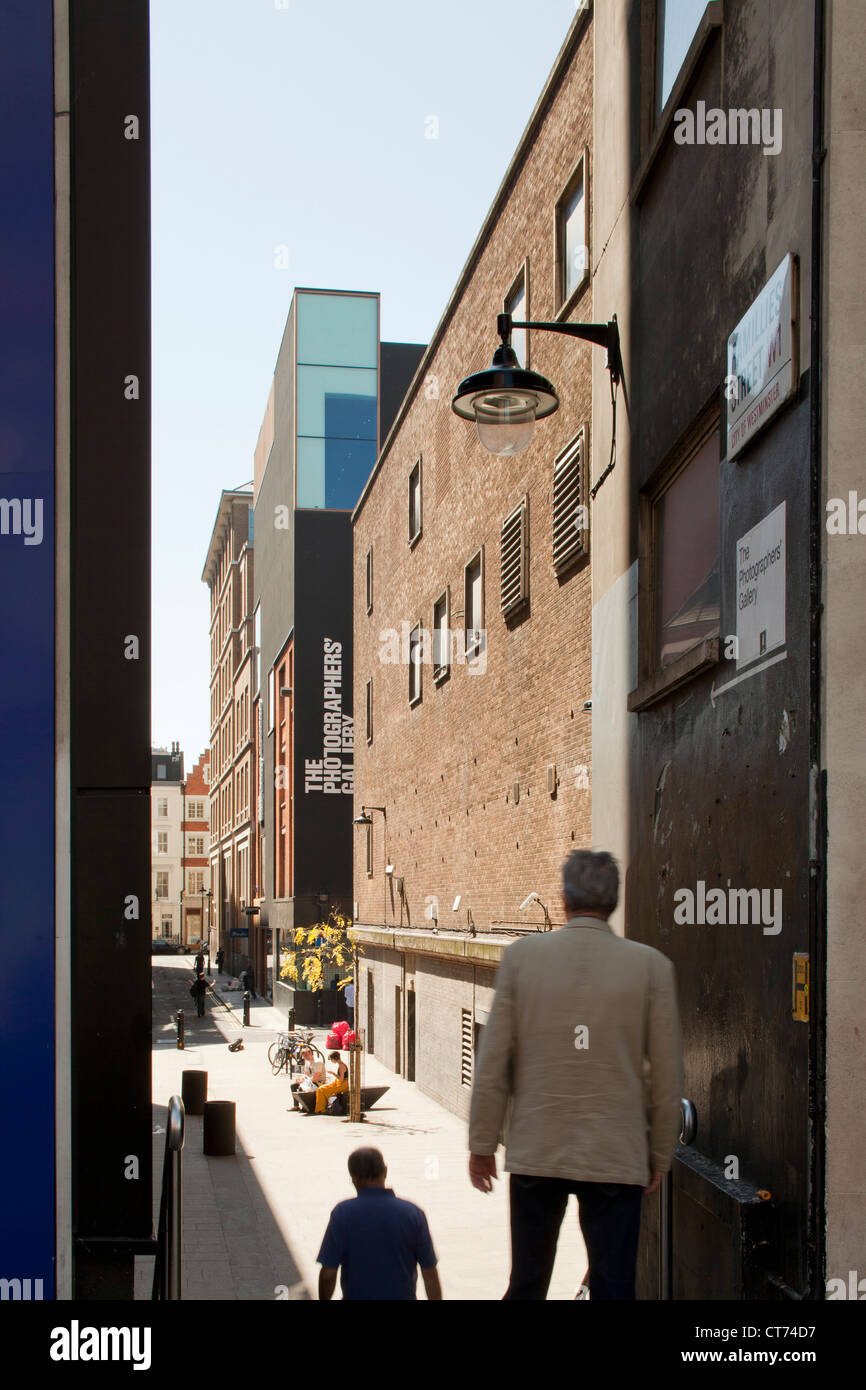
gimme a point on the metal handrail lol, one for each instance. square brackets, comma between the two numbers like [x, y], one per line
[168, 1267]
[688, 1133]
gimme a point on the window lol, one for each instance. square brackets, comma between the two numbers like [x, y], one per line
[415, 503]
[572, 237]
[369, 709]
[162, 842]
[195, 881]
[162, 806]
[685, 555]
[271, 711]
[676, 25]
[515, 304]
[195, 810]
[370, 580]
[369, 847]
[167, 927]
[442, 636]
[195, 846]
[473, 606]
[160, 772]
[570, 511]
[416, 656]
[514, 560]
[162, 884]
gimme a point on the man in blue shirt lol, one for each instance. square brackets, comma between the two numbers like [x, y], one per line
[377, 1240]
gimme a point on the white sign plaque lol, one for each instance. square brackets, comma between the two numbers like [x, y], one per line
[761, 588]
[762, 358]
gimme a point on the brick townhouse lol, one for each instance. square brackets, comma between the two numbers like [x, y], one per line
[195, 831]
[472, 597]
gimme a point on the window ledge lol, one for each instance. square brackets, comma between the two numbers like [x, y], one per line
[700, 658]
[711, 21]
[413, 540]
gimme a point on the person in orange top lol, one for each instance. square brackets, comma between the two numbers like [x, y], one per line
[333, 1088]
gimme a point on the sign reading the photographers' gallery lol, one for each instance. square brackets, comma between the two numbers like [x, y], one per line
[761, 588]
[762, 370]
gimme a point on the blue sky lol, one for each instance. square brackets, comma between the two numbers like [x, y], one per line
[302, 125]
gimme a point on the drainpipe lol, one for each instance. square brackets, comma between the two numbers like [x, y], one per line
[816, 1248]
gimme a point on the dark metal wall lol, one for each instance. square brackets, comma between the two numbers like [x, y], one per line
[110, 610]
[720, 787]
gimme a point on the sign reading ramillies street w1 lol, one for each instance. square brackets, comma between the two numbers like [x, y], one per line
[763, 370]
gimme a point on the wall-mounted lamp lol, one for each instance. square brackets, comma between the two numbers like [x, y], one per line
[507, 399]
[534, 898]
[365, 818]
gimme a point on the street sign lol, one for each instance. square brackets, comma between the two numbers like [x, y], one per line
[760, 562]
[239, 931]
[762, 371]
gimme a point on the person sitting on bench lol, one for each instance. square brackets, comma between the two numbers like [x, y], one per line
[313, 1073]
[340, 1083]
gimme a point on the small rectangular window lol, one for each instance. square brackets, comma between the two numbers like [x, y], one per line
[162, 842]
[676, 25]
[572, 237]
[442, 636]
[416, 657]
[515, 304]
[162, 884]
[415, 503]
[370, 580]
[473, 606]
[685, 556]
[369, 711]
[570, 512]
[162, 806]
[514, 560]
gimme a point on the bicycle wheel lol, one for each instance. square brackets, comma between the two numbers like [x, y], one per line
[276, 1057]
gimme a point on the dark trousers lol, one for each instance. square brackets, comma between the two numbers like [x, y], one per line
[609, 1216]
[199, 1005]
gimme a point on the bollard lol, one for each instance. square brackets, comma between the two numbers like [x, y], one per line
[218, 1129]
[193, 1091]
[292, 1020]
[246, 1008]
[180, 1029]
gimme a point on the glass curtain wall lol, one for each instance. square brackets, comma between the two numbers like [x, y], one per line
[337, 396]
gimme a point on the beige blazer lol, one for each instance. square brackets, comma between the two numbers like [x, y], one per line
[583, 1047]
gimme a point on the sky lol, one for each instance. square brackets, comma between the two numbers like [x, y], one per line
[305, 126]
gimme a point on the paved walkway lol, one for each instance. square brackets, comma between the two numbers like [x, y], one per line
[253, 1223]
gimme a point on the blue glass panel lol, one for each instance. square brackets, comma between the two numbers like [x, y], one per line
[318, 390]
[338, 330]
[332, 472]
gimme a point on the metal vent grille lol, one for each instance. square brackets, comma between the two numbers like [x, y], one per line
[465, 1047]
[569, 537]
[513, 588]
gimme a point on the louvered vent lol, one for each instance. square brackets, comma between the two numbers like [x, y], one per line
[465, 1048]
[514, 588]
[569, 536]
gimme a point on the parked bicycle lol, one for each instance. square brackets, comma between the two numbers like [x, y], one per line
[284, 1054]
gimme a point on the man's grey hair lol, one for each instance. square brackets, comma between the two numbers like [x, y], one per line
[590, 882]
[366, 1165]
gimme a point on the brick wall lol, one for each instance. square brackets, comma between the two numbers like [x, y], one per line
[446, 768]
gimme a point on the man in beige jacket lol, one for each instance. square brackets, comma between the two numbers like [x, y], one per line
[583, 1044]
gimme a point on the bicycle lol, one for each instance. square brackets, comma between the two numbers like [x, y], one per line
[284, 1054]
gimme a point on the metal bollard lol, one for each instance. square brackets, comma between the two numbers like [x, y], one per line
[246, 1008]
[180, 1029]
[291, 1020]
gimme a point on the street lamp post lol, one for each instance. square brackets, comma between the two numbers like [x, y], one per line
[506, 400]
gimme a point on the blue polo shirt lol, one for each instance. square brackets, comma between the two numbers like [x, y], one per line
[377, 1241]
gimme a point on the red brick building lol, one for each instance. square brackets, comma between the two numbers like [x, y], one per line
[195, 851]
[478, 746]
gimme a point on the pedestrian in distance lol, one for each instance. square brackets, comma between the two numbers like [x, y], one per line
[198, 989]
[248, 980]
[350, 1003]
[198, 963]
[376, 1240]
[576, 1016]
[220, 957]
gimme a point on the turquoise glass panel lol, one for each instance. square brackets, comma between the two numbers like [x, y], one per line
[337, 330]
[320, 390]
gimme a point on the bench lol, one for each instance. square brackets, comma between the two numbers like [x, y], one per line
[369, 1096]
